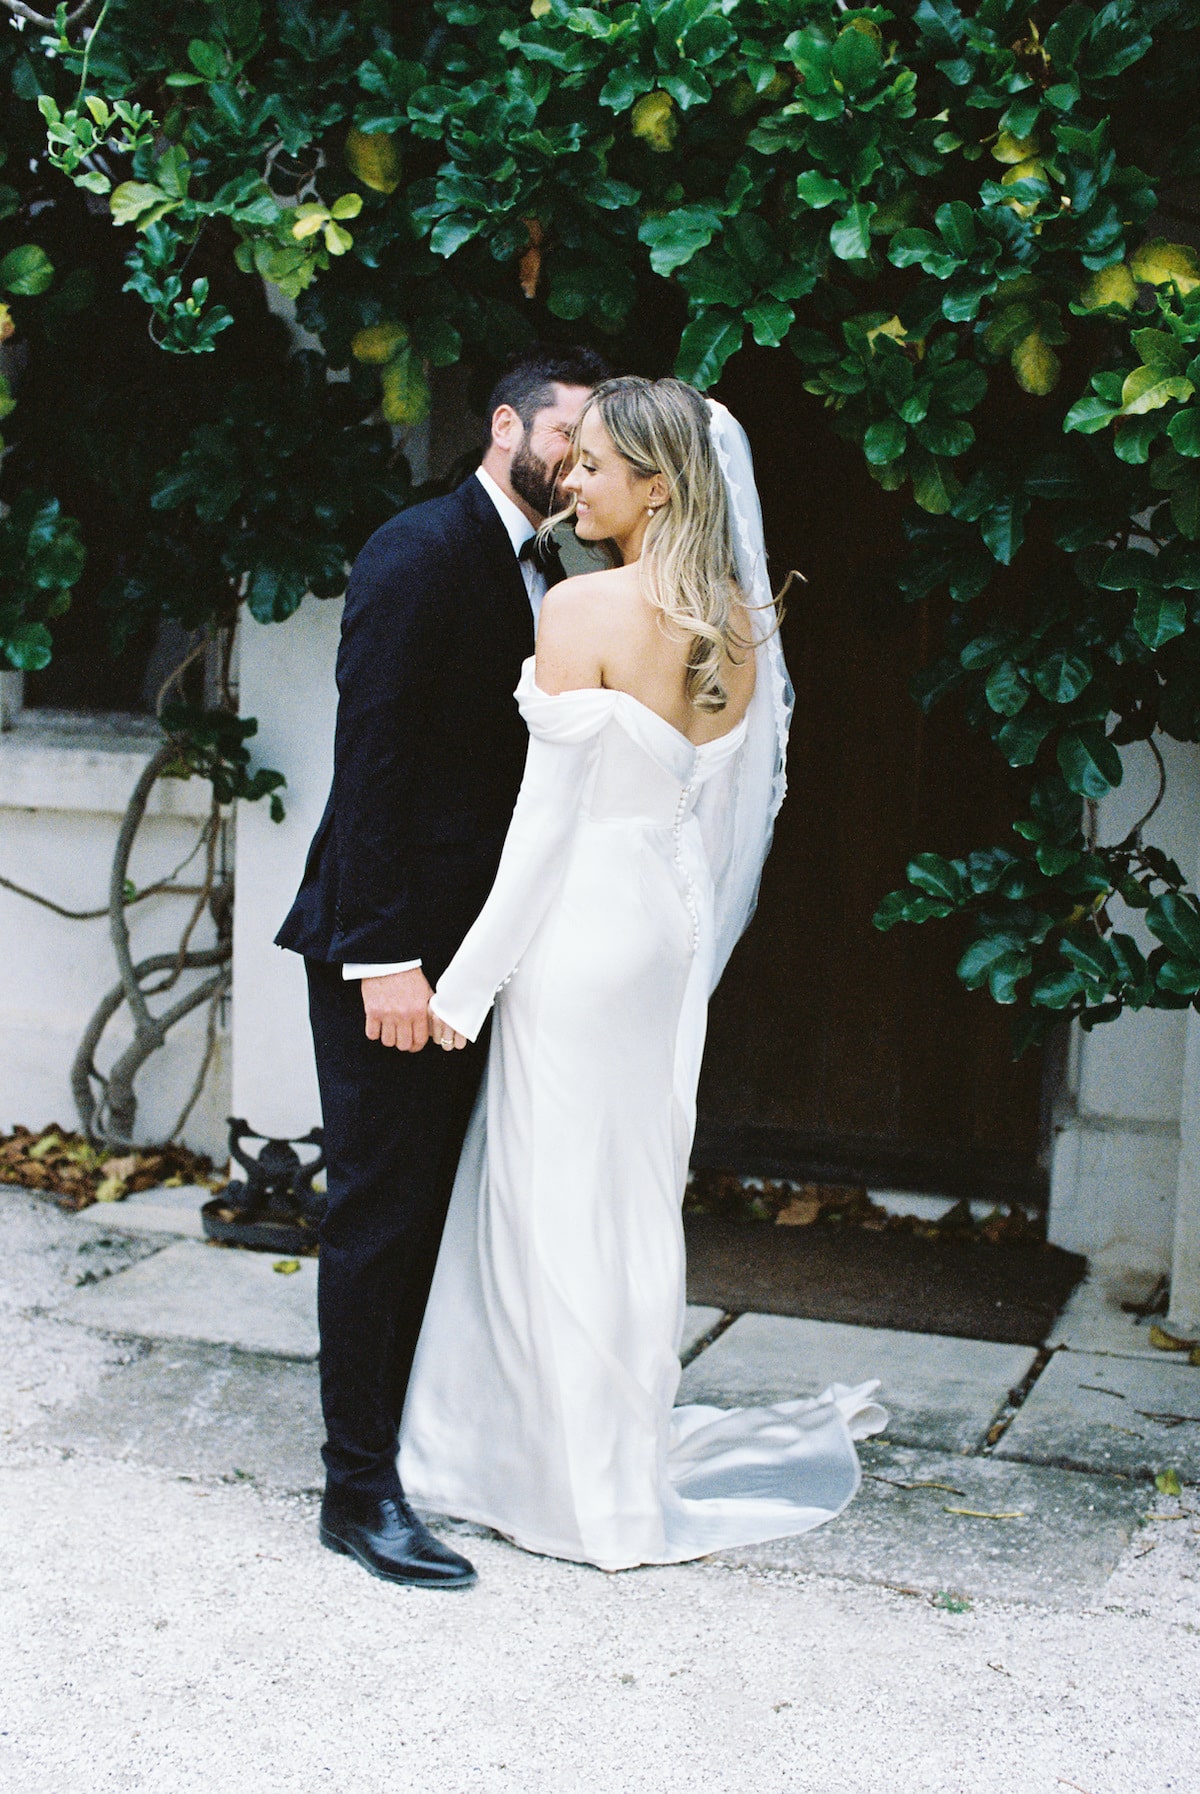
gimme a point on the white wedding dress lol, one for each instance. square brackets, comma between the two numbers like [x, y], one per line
[542, 1396]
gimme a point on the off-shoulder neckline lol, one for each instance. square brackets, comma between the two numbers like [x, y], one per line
[611, 691]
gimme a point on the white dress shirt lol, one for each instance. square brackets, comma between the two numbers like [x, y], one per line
[519, 531]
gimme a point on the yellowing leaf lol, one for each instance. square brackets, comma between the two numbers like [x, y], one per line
[1146, 389]
[42, 1148]
[655, 122]
[286, 1266]
[349, 205]
[1167, 1483]
[1014, 149]
[7, 327]
[337, 240]
[1031, 169]
[1159, 262]
[1110, 286]
[1036, 365]
[377, 343]
[893, 328]
[110, 1189]
[539, 8]
[172, 1183]
[374, 159]
[405, 398]
[309, 220]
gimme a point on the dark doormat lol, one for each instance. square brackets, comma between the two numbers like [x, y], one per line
[971, 1289]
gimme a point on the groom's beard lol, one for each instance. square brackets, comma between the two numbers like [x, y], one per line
[533, 481]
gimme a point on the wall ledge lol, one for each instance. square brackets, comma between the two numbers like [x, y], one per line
[89, 764]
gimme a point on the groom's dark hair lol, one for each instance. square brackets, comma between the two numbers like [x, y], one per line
[528, 382]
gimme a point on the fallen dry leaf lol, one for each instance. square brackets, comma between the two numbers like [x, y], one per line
[978, 1513]
[1162, 1341]
[111, 1189]
[285, 1266]
[801, 1211]
[530, 267]
[123, 1167]
[1167, 1483]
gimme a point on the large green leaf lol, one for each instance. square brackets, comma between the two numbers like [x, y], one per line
[1006, 690]
[1175, 920]
[850, 236]
[816, 189]
[1090, 763]
[1184, 431]
[936, 876]
[706, 346]
[1160, 617]
[28, 647]
[884, 441]
[26, 271]
[1063, 675]
[976, 964]
[674, 237]
[857, 58]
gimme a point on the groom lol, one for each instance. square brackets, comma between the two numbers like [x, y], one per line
[428, 756]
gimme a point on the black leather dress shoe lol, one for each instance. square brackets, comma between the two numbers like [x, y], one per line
[388, 1540]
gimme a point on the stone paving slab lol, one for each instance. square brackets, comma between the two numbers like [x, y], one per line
[696, 1323]
[1094, 1319]
[941, 1393]
[1091, 1411]
[171, 1212]
[1071, 1530]
[212, 1413]
[203, 1411]
[208, 1294]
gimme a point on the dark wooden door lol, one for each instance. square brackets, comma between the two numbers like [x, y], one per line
[835, 1051]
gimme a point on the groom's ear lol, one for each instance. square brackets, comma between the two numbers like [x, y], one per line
[507, 428]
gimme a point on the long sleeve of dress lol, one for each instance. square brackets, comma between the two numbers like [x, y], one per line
[531, 867]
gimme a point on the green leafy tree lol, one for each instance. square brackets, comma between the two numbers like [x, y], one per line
[945, 212]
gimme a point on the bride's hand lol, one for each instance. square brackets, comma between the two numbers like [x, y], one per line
[442, 1034]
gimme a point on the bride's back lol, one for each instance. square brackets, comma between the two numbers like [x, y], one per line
[603, 622]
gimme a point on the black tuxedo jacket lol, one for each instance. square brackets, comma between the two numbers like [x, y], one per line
[430, 746]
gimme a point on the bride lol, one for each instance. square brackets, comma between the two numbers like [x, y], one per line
[541, 1401]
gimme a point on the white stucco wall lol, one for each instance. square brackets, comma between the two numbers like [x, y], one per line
[1116, 1162]
[285, 680]
[63, 785]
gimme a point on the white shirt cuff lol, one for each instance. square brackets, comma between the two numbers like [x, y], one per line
[381, 971]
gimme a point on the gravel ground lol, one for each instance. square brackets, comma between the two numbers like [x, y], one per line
[160, 1635]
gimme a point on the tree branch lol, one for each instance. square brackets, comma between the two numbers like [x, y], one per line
[20, 11]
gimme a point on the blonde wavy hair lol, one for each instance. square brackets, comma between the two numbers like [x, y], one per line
[687, 567]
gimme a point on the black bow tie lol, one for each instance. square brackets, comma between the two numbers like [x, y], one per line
[532, 550]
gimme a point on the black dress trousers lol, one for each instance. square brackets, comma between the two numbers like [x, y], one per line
[394, 1129]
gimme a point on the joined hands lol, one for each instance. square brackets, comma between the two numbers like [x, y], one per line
[398, 1013]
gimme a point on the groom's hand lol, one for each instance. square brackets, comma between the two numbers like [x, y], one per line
[397, 1009]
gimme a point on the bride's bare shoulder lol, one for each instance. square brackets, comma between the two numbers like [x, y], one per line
[584, 592]
[572, 630]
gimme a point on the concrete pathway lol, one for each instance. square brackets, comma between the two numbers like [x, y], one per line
[1009, 1605]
